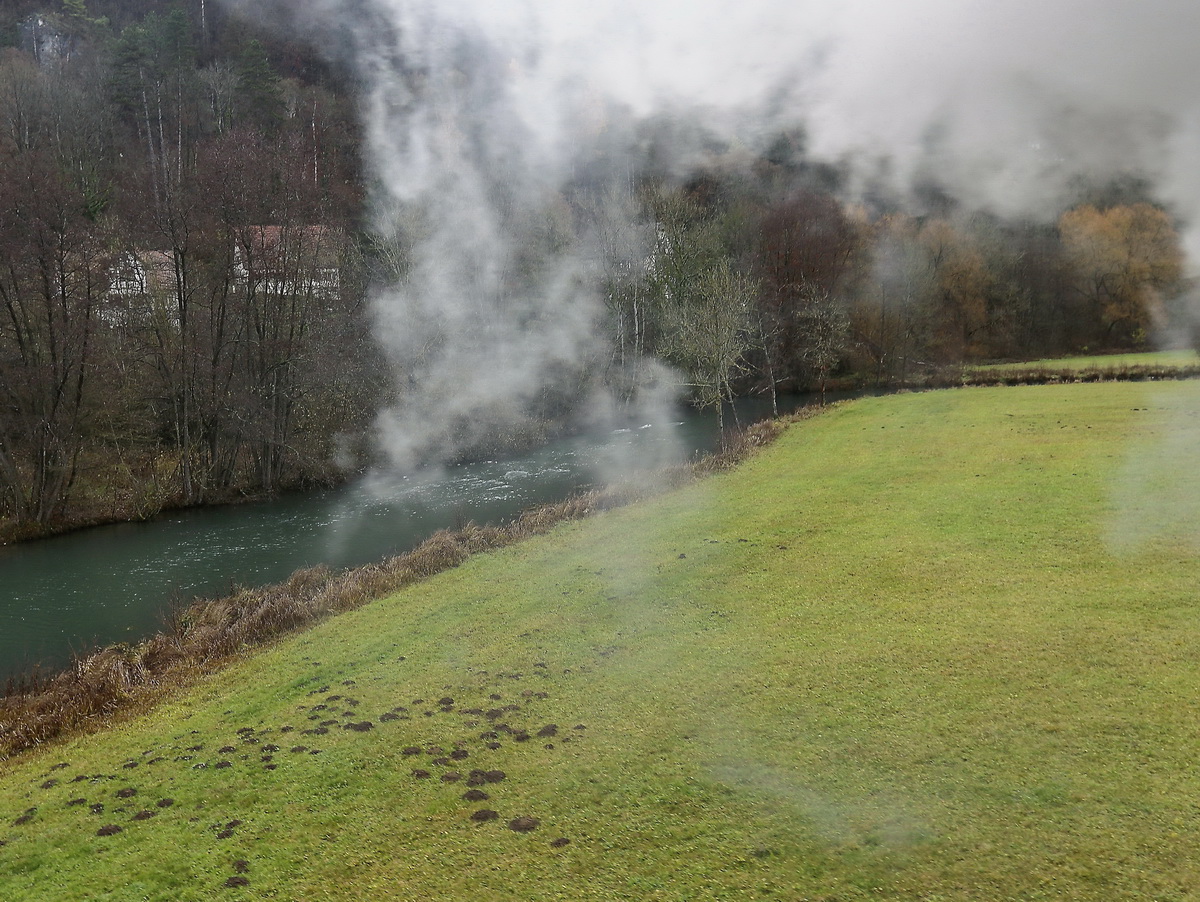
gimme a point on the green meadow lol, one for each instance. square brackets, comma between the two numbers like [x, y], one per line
[936, 646]
[1102, 362]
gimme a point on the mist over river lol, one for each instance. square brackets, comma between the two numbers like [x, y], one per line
[117, 583]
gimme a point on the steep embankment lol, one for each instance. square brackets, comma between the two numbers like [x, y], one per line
[926, 646]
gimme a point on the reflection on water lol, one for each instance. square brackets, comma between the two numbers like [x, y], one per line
[115, 583]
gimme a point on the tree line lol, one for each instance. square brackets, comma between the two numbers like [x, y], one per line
[183, 267]
[762, 280]
[180, 280]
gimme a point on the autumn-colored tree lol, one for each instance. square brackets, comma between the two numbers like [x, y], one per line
[889, 316]
[1125, 261]
[959, 283]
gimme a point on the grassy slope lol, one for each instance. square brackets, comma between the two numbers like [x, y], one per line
[936, 646]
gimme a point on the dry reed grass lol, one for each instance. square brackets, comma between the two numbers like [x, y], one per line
[1056, 376]
[123, 679]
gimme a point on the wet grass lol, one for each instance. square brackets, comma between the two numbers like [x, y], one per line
[930, 646]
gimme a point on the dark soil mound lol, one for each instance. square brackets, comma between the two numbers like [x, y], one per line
[524, 824]
[484, 814]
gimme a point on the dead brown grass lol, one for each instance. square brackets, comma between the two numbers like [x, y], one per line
[123, 679]
[1040, 375]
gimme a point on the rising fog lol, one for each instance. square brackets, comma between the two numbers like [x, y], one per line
[478, 113]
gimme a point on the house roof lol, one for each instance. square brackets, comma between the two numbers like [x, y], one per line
[272, 247]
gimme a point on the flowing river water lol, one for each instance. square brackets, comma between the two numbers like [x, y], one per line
[64, 595]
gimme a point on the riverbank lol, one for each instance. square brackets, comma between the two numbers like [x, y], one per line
[112, 493]
[41, 706]
[924, 645]
[70, 596]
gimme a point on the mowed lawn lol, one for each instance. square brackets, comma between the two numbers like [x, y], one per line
[938, 646]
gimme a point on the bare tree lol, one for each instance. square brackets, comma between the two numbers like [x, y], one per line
[824, 327]
[709, 333]
[51, 281]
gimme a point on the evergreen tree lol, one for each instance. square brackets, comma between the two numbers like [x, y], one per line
[77, 14]
[259, 98]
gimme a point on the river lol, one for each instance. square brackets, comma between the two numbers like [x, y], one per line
[64, 595]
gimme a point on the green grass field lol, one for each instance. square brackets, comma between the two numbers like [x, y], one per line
[1182, 357]
[931, 646]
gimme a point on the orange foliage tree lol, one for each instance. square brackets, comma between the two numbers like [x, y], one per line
[1126, 260]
